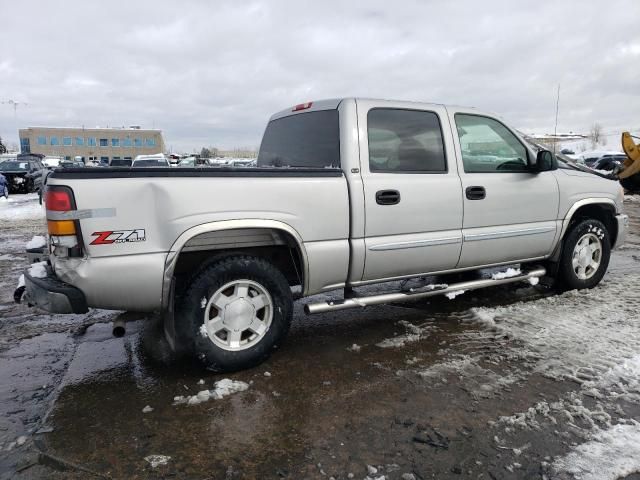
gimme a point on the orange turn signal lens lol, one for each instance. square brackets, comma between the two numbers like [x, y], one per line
[61, 227]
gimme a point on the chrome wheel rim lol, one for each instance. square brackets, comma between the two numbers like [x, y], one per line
[587, 255]
[238, 315]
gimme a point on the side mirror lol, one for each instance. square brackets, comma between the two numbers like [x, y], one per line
[545, 161]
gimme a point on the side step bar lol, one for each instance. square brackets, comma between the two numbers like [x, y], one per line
[423, 292]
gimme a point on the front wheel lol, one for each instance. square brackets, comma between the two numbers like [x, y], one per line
[585, 255]
[235, 312]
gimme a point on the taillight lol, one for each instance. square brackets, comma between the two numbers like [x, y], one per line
[63, 228]
[302, 106]
[58, 199]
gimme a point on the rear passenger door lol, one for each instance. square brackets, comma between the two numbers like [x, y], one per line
[413, 200]
[509, 212]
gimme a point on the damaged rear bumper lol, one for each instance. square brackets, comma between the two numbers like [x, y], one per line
[51, 294]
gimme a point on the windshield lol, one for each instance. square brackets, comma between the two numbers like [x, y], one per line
[150, 163]
[12, 166]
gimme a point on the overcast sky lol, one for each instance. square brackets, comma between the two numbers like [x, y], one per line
[211, 73]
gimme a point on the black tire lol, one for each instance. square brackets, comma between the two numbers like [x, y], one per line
[209, 280]
[567, 277]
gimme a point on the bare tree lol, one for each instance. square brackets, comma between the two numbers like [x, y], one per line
[595, 135]
[3, 149]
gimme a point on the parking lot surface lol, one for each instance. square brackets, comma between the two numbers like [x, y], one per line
[506, 383]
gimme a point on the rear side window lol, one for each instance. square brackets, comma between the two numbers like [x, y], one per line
[307, 140]
[405, 141]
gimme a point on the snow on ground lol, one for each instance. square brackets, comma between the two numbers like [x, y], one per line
[221, 389]
[414, 333]
[612, 453]
[580, 335]
[21, 207]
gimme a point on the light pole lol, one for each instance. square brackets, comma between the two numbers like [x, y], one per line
[15, 115]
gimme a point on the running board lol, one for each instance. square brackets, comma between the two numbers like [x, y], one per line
[418, 293]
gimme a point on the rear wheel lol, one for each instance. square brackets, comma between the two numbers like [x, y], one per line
[235, 312]
[585, 255]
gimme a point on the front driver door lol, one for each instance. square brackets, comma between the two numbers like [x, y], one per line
[509, 212]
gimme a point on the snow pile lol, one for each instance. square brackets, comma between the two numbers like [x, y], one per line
[38, 241]
[610, 454]
[414, 333]
[157, 460]
[454, 294]
[631, 198]
[38, 270]
[25, 207]
[508, 273]
[221, 389]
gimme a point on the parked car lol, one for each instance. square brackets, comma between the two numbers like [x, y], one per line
[195, 162]
[609, 163]
[51, 162]
[157, 160]
[4, 186]
[71, 164]
[242, 162]
[590, 158]
[24, 174]
[218, 252]
[120, 162]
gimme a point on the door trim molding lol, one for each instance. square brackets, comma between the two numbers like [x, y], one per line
[416, 244]
[474, 237]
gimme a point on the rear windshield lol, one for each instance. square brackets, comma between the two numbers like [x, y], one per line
[9, 165]
[307, 140]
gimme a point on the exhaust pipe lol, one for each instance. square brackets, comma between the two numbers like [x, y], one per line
[424, 292]
[119, 327]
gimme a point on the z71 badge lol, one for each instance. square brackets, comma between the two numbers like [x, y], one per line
[119, 236]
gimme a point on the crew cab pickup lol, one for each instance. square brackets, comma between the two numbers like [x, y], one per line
[346, 193]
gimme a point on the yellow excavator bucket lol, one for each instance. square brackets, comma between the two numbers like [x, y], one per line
[632, 163]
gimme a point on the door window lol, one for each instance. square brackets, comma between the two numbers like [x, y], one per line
[488, 146]
[405, 141]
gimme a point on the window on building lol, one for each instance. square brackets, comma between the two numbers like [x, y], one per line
[115, 142]
[150, 142]
[126, 142]
[91, 141]
[79, 141]
[137, 142]
[42, 140]
[66, 141]
[104, 142]
[25, 145]
[54, 141]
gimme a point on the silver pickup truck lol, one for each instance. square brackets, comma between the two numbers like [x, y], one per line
[346, 193]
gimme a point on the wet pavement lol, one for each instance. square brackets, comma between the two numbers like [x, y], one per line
[506, 382]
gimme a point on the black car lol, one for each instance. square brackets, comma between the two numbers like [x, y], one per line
[24, 174]
[609, 163]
